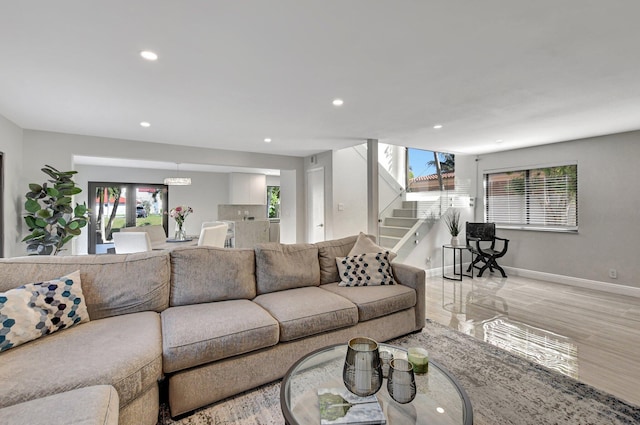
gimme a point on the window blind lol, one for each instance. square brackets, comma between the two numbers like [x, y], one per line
[540, 198]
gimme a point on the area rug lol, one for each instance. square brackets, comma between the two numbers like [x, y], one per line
[504, 390]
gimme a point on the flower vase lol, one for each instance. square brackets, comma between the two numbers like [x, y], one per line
[454, 240]
[180, 234]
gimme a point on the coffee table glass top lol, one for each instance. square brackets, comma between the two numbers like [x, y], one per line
[440, 399]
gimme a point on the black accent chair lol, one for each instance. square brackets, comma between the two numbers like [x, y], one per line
[484, 256]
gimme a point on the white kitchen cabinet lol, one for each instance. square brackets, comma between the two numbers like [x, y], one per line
[245, 188]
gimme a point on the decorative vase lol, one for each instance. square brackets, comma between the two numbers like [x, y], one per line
[180, 234]
[454, 241]
[362, 372]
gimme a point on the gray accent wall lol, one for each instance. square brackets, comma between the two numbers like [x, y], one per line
[608, 210]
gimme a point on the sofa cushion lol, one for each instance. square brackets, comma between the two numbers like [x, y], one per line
[308, 311]
[375, 301]
[123, 351]
[328, 251]
[38, 309]
[202, 333]
[95, 405]
[207, 274]
[365, 244]
[285, 266]
[369, 269]
[111, 284]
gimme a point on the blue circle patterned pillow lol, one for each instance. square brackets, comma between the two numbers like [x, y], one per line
[37, 309]
[370, 269]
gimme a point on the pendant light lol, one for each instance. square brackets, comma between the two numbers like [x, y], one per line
[177, 181]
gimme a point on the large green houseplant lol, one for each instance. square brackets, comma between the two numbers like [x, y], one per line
[50, 217]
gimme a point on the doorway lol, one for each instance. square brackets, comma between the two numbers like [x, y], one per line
[113, 206]
[315, 205]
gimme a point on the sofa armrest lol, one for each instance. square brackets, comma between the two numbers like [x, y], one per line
[413, 277]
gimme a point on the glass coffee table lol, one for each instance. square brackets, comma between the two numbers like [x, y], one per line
[440, 398]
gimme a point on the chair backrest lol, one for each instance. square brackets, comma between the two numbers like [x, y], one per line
[213, 236]
[129, 242]
[212, 223]
[482, 231]
[156, 232]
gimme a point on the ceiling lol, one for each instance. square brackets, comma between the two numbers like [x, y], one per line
[496, 74]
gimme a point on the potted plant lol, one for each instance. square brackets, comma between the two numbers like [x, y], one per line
[50, 217]
[452, 220]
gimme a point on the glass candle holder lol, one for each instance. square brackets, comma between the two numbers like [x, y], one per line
[385, 358]
[362, 372]
[419, 358]
[401, 382]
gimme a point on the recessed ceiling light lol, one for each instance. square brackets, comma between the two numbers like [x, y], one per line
[439, 410]
[437, 126]
[149, 55]
[145, 124]
[267, 140]
[338, 102]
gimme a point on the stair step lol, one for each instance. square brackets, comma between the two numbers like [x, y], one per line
[388, 241]
[400, 222]
[410, 205]
[394, 231]
[404, 212]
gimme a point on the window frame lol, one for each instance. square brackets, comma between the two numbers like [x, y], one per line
[277, 217]
[527, 210]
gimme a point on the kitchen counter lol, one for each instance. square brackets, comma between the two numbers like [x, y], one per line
[251, 232]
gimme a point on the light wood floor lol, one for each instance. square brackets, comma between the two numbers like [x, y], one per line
[591, 335]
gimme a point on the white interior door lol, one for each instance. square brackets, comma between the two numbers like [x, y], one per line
[315, 205]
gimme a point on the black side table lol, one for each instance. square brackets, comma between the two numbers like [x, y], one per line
[457, 255]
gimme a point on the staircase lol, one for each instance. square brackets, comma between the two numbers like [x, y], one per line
[395, 227]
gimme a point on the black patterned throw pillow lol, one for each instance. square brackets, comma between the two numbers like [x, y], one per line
[369, 269]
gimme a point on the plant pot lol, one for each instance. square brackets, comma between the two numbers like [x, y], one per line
[455, 241]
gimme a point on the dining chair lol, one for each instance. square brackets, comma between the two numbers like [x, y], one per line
[156, 232]
[211, 224]
[213, 236]
[130, 242]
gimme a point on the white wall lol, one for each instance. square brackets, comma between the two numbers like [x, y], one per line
[608, 208]
[349, 179]
[13, 199]
[58, 149]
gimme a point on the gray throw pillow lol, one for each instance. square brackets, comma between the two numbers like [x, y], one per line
[365, 245]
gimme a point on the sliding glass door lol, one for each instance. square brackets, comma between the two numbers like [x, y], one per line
[117, 205]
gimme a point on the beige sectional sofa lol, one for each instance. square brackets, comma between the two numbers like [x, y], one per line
[209, 322]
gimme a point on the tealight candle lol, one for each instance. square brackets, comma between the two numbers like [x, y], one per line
[419, 358]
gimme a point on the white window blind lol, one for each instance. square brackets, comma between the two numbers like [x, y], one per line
[540, 198]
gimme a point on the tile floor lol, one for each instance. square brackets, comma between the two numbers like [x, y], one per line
[591, 335]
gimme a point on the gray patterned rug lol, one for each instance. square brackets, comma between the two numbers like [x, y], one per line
[504, 390]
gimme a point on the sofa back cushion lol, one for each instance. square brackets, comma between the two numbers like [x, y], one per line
[328, 251]
[205, 274]
[111, 284]
[286, 266]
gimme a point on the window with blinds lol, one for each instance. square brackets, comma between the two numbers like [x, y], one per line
[540, 198]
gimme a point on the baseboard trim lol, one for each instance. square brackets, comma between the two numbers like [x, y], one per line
[629, 291]
[576, 281]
